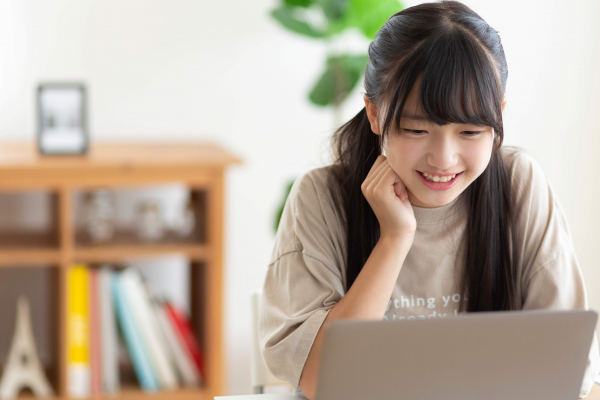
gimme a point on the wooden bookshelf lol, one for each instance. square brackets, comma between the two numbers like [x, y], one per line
[200, 166]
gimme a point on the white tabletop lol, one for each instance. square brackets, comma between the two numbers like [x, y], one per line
[268, 396]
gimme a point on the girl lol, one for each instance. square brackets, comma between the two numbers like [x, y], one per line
[447, 221]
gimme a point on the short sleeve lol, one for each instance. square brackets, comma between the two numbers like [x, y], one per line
[559, 285]
[305, 277]
[551, 277]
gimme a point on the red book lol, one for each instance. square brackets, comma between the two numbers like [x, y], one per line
[94, 334]
[184, 328]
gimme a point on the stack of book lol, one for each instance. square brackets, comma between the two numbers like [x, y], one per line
[158, 336]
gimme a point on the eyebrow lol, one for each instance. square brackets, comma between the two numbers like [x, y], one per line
[416, 117]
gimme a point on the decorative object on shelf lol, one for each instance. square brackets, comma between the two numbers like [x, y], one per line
[23, 368]
[62, 118]
[186, 221]
[149, 222]
[99, 215]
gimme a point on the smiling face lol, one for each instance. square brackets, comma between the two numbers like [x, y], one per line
[419, 146]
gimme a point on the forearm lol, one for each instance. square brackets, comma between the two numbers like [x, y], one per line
[367, 299]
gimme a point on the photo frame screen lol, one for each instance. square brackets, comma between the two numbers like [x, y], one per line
[62, 125]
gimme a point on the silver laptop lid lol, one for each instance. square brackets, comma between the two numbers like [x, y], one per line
[536, 354]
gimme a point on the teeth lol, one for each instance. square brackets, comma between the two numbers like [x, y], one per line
[436, 178]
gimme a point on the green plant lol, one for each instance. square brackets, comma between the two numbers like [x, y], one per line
[288, 188]
[327, 20]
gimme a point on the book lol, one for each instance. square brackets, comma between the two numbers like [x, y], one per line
[94, 333]
[133, 341]
[184, 329]
[149, 328]
[109, 357]
[78, 331]
[184, 362]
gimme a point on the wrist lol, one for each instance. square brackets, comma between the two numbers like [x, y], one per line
[396, 239]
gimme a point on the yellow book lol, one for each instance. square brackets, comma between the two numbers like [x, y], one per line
[78, 329]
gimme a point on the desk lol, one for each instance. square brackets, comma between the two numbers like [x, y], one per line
[594, 395]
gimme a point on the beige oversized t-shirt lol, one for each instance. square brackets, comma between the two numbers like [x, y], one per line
[306, 275]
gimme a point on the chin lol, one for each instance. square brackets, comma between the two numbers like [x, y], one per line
[436, 202]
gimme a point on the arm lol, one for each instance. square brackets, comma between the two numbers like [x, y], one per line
[306, 275]
[370, 293]
[367, 299]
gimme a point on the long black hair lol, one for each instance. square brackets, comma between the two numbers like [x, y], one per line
[459, 62]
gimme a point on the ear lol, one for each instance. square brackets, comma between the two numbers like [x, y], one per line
[372, 115]
[504, 104]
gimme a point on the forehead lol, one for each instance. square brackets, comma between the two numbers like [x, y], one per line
[412, 110]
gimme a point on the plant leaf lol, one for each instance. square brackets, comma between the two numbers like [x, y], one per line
[285, 16]
[323, 93]
[353, 67]
[279, 213]
[341, 75]
[298, 3]
[370, 15]
[334, 10]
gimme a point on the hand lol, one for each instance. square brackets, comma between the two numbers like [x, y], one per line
[388, 198]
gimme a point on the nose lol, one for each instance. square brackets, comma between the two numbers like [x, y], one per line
[442, 154]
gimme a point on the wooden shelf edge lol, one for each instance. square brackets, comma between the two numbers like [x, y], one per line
[116, 253]
[29, 257]
[137, 394]
[179, 394]
[51, 257]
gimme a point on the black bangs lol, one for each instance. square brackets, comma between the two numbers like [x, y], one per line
[458, 82]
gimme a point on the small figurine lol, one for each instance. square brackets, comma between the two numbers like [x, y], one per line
[186, 222]
[99, 215]
[23, 368]
[149, 221]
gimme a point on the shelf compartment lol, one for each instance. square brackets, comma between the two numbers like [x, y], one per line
[124, 204]
[29, 237]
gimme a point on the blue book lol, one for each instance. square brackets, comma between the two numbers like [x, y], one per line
[141, 362]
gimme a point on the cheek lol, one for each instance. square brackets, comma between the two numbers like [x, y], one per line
[477, 157]
[401, 155]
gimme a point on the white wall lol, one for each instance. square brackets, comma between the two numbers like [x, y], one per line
[224, 71]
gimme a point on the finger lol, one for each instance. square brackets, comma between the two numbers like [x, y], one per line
[375, 170]
[403, 193]
[376, 165]
[388, 181]
[400, 188]
[377, 179]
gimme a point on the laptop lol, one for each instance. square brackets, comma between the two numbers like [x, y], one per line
[528, 355]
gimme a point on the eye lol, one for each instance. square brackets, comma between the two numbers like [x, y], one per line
[472, 133]
[417, 132]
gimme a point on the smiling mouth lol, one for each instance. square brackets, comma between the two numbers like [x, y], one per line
[439, 179]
